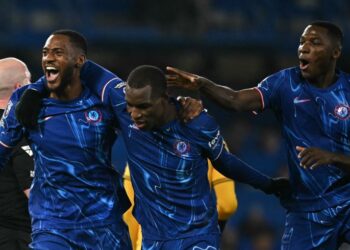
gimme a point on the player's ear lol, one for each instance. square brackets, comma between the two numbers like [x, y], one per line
[80, 61]
[336, 53]
[17, 85]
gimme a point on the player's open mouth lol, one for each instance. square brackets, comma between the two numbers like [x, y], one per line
[51, 74]
[303, 64]
[140, 124]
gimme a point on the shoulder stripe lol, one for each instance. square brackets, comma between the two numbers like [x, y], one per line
[222, 147]
[5, 145]
[104, 87]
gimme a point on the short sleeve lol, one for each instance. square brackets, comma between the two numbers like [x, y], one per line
[270, 88]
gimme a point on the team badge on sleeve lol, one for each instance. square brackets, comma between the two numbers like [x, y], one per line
[181, 147]
[342, 112]
[93, 116]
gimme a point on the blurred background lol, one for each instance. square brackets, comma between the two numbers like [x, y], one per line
[232, 42]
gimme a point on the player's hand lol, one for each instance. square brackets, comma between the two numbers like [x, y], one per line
[279, 186]
[28, 108]
[179, 78]
[190, 108]
[314, 157]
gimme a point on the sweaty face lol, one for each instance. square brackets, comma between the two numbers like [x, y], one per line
[145, 111]
[316, 53]
[58, 62]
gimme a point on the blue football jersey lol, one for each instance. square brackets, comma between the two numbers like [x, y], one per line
[312, 117]
[75, 185]
[168, 168]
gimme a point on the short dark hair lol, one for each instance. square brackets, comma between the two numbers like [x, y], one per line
[75, 38]
[334, 30]
[145, 75]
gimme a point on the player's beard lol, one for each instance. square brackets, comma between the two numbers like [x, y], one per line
[66, 79]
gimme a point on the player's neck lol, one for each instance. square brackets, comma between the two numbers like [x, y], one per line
[70, 91]
[325, 80]
[169, 113]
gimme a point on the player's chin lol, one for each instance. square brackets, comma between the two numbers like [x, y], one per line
[52, 86]
[146, 127]
[141, 125]
[306, 74]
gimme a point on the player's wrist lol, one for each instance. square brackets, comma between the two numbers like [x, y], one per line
[340, 160]
[203, 83]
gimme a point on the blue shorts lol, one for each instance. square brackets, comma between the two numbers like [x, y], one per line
[197, 242]
[325, 229]
[111, 237]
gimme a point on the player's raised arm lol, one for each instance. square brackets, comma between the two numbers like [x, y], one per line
[98, 79]
[242, 100]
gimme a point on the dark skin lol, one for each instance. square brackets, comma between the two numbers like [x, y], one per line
[314, 157]
[190, 108]
[61, 63]
[148, 112]
[318, 53]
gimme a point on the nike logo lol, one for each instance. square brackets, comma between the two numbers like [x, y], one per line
[297, 100]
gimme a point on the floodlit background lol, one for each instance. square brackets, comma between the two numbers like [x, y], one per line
[232, 42]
